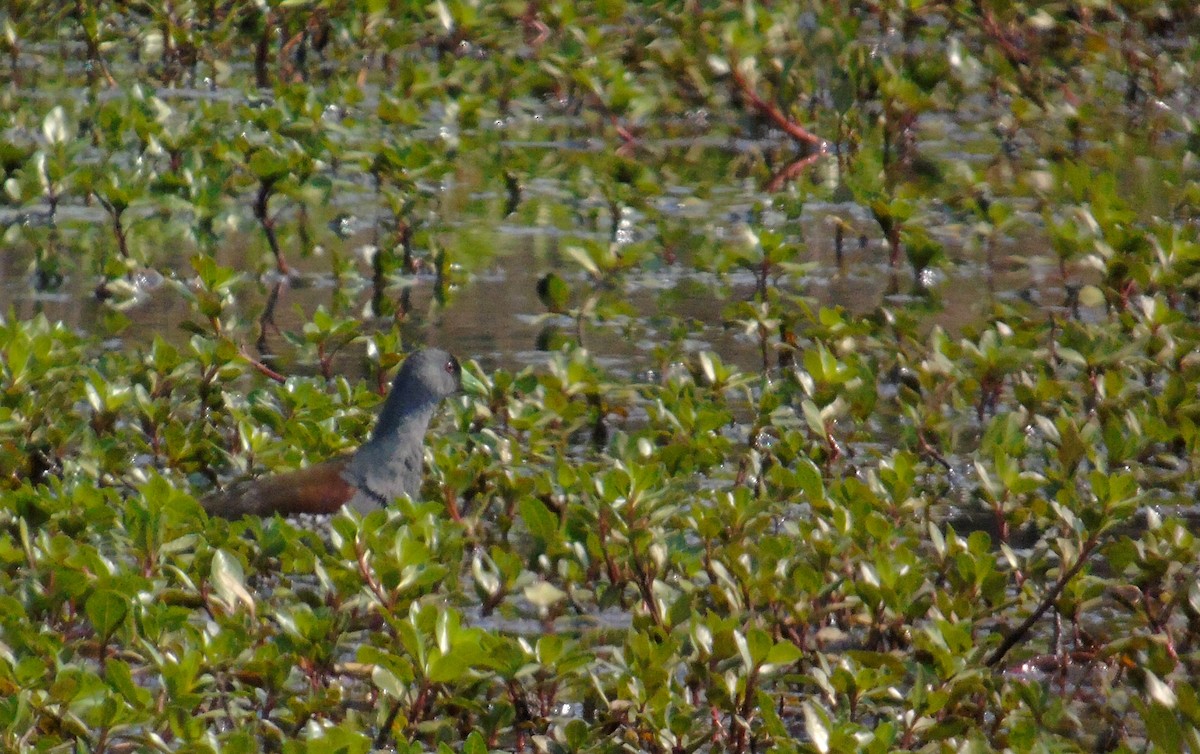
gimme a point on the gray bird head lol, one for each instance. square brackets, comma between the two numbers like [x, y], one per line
[426, 377]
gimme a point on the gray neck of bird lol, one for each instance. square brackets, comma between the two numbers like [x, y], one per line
[410, 411]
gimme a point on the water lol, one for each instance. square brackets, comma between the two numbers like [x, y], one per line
[491, 310]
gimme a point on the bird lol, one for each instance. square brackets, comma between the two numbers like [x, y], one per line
[387, 466]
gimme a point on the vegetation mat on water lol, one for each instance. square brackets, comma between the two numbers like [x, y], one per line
[863, 526]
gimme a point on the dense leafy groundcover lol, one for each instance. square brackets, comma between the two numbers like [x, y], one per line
[886, 536]
[553, 596]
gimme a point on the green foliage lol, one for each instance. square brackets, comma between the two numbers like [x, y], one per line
[781, 526]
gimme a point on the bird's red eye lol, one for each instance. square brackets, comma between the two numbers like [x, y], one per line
[452, 366]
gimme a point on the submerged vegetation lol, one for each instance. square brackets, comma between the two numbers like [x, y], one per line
[866, 416]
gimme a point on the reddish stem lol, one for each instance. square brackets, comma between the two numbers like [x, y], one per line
[773, 113]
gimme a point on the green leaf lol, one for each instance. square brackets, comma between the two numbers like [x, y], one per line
[542, 524]
[543, 594]
[474, 744]
[387, 682]
[120, 677]
[816, 724]
[106, 609]
[229, 581]
[783, 653]
[268, 167]
[447, 668]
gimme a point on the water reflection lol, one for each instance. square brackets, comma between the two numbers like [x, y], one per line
[486, 305]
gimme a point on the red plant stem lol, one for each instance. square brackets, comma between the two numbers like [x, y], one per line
[262, 368]
[261, 212]
[1016, 56]
[773, 113]
[792, 171]
[1018, 634]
